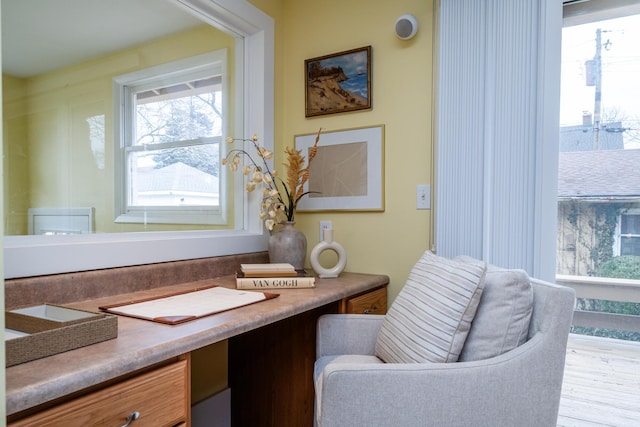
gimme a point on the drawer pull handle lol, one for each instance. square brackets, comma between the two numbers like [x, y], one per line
[371, 310]
[131, 418]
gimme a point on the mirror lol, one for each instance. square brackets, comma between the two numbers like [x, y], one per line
[62, 133]
[201, 26]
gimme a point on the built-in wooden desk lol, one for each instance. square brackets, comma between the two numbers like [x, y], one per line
[271, 352]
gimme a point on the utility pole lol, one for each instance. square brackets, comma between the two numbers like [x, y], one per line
[598, 96]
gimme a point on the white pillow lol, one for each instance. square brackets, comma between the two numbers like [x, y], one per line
[502, 320]
[430, 318]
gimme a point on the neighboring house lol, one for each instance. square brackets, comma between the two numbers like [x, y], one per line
[598, 208]
[583, 138]
[175, 185]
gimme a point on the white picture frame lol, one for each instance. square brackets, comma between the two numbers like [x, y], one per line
[347, 173]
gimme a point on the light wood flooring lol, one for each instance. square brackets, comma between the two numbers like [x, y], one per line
[601, 383]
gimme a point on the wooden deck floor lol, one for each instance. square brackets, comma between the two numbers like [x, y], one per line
[601, 383]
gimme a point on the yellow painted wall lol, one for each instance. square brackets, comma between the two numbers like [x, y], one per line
[209, 371]
[15, 158]
[388, 242]
[48, 154]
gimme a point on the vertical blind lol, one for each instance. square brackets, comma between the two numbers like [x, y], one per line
[497, 131]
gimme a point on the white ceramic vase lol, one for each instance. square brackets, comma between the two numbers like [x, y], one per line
[327, 243]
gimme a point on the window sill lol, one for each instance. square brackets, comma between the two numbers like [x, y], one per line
[40, 255]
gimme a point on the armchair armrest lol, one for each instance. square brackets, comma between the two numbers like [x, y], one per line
[517, 388]
[347, 334]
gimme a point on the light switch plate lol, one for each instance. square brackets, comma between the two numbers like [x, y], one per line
[423, 196]
[323, 226]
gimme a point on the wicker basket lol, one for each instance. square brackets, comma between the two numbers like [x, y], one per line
[46, 330]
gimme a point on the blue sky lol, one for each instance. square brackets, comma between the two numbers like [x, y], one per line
[351, 64]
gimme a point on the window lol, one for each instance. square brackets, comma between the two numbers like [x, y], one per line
[599, 203]
[629, 237]
[172, 119]
[598, 177]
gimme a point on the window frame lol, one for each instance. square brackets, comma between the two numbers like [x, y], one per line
[124, 90]
[579, 12]
[617, 249]
[254, 69]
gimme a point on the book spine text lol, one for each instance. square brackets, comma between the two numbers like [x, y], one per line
[275, 283]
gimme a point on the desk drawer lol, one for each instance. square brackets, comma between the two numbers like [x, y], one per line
[160, 396]
[374, 302]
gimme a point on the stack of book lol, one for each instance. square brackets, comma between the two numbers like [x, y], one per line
[273, 276]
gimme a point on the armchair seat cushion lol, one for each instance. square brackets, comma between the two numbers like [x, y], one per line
[430, 318]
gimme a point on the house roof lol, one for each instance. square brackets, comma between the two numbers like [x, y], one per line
[178, 177]
[610, 174]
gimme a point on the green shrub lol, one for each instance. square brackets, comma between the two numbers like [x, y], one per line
[621, 267]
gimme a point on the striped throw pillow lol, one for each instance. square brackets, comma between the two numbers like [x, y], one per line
[430, 319]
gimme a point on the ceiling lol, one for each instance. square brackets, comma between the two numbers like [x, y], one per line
[43, 35]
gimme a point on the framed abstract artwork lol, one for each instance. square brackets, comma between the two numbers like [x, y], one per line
[347, 173]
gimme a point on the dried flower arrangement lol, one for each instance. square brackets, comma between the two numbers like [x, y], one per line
[279, 197]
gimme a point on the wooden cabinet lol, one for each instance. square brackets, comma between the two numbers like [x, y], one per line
[271, 372]
[160, 397]
[271, 368]
[373, 302]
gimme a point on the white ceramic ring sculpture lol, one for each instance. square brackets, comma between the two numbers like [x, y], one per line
[327, 243]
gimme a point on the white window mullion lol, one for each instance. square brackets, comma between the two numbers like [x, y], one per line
[547, 137]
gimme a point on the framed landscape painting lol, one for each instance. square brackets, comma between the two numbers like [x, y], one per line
[338, 83]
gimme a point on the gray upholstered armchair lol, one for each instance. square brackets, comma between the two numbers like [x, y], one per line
[520, 387]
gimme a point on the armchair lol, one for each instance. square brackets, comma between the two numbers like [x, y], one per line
[518, 388]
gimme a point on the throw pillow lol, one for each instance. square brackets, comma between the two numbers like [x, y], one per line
[502, 320]
[430, 318]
